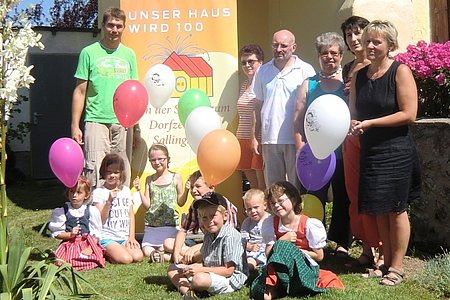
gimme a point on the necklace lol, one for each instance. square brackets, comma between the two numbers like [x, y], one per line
[332, 75]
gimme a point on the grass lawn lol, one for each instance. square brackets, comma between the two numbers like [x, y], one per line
[32, 203]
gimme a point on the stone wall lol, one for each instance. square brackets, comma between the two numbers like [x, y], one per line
[430, 217]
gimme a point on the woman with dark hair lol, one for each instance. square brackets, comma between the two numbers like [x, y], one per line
[252, 57]
[361, 224]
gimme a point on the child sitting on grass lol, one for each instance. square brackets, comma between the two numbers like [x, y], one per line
[255, 208]
[223, 268]
[79, 226]
[114, 201]
[294, 246]
[187, 251]
[163, 191]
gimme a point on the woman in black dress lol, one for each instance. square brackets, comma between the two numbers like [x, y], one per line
[383, 101]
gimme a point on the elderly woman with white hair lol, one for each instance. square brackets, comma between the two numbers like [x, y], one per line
[330, 48]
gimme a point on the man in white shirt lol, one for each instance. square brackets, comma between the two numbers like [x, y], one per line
[275, 88]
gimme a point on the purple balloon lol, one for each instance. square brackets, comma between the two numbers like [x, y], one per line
[312, 172]
[66, 160]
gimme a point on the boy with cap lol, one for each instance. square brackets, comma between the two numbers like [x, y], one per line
[224, 265]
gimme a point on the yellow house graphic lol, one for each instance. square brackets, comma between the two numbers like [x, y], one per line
[190, 72]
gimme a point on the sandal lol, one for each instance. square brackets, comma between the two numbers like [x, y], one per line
[190, 295]
[393, 277]
[377, 272]
[157, 256]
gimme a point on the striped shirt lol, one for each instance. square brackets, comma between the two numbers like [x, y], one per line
[226, 247]
[245, 105]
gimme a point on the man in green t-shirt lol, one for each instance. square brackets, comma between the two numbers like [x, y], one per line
[102, 67]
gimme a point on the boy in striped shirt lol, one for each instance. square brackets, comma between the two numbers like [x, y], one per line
[224, 264]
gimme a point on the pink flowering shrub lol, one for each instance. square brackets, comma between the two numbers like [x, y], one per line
[430, 64]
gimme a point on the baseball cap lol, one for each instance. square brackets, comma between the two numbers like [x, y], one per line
[211, 198]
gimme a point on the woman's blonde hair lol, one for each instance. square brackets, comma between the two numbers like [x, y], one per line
[383, 28]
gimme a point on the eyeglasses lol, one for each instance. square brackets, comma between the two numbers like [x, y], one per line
[333, 54]
[161, 159]
[250, 62]
[279, 202]
[282, 46]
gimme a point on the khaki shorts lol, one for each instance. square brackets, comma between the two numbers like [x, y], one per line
[280, 163]
[99, 140]
[219, 285]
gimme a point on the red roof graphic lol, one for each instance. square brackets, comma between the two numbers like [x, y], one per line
[193, 66]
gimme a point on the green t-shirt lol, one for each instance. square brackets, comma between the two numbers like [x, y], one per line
[104, 69]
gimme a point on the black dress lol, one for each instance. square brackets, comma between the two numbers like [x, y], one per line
[389, 167]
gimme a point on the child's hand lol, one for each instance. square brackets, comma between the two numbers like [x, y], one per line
[190, 253]
[253, 247]
[132, 244]
[191, 270]
[75, 230]
[290, 236]
[113, 194]
[187, 186]
[137, 184]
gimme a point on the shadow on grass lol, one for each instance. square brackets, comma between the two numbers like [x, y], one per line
[160, 280]
[33, 194]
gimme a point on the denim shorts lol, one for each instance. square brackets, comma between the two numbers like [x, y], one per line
[104, 243]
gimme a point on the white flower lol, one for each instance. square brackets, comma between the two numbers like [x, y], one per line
[14, 45]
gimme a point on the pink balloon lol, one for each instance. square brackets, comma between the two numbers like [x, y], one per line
[130, 102]
[66, 160]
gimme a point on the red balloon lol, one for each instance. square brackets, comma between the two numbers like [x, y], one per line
[130, 102]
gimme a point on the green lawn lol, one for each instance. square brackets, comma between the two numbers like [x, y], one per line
[31, 205]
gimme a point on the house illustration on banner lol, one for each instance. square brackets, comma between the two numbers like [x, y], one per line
[190, 72]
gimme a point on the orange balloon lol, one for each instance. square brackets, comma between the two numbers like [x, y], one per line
[218, 155]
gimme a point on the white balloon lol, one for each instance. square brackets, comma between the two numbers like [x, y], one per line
[199, 123]
[160, 83]
[327, 121]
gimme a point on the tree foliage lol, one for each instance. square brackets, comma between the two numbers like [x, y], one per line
[62, 14]
[74, 14]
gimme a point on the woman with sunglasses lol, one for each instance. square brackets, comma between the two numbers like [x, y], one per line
[252, 57]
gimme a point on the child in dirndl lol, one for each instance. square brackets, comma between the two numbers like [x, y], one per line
[78, 225]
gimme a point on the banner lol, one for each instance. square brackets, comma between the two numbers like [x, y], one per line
[197, 39]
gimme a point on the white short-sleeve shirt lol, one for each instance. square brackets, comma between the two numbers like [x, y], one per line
[277, 92]
[117, 225]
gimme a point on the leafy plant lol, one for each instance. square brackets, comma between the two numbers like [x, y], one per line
[436, 275]
[430, 64]
[21, 278]
[42, 279]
